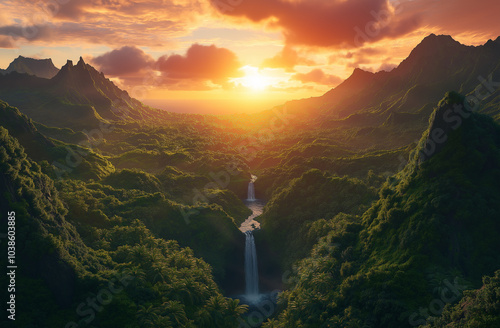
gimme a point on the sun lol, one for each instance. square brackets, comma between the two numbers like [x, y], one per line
[253, 79]
[255, 82]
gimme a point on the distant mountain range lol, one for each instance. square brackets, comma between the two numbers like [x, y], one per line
[396, 104]
[43, 68]
[77, 97]
[408, 93]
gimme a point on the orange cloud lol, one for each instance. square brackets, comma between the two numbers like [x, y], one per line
[364, 56]
[105, 22]
[73, 9]
[359, 53]
[6, 42]
[201, 68]
[317, 76]
[201, 63]
[288, 59]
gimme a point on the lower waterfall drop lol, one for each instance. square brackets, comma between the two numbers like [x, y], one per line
[251, 270]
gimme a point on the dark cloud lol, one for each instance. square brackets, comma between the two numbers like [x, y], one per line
[317, 76]
[76, 10]
[72, 9]
[123, 61]
[201, 63]
[326, 23]
[67, 33]
[30, 32]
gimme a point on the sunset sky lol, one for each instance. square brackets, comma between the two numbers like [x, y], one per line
[234, 55]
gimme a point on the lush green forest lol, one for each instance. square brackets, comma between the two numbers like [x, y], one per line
[381, 210]
[419, 238]
[72, 252]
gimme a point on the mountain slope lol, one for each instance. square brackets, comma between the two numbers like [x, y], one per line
[59, 271]
[46, 243]
[38, 67]
[433, 231]
[83, 84]
[22, 128]
[438, 64]
[478, 309]
[89, 165]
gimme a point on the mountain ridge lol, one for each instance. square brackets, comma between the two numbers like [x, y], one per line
[43, 68]
[77, 97]
[413, 86]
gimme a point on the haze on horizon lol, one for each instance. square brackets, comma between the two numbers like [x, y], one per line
[234, 56]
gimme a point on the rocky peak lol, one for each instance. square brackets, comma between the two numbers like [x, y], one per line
[38, 67]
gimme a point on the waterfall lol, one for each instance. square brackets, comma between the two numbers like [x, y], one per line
[251, 271]
[251, 191]
[251, 188]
